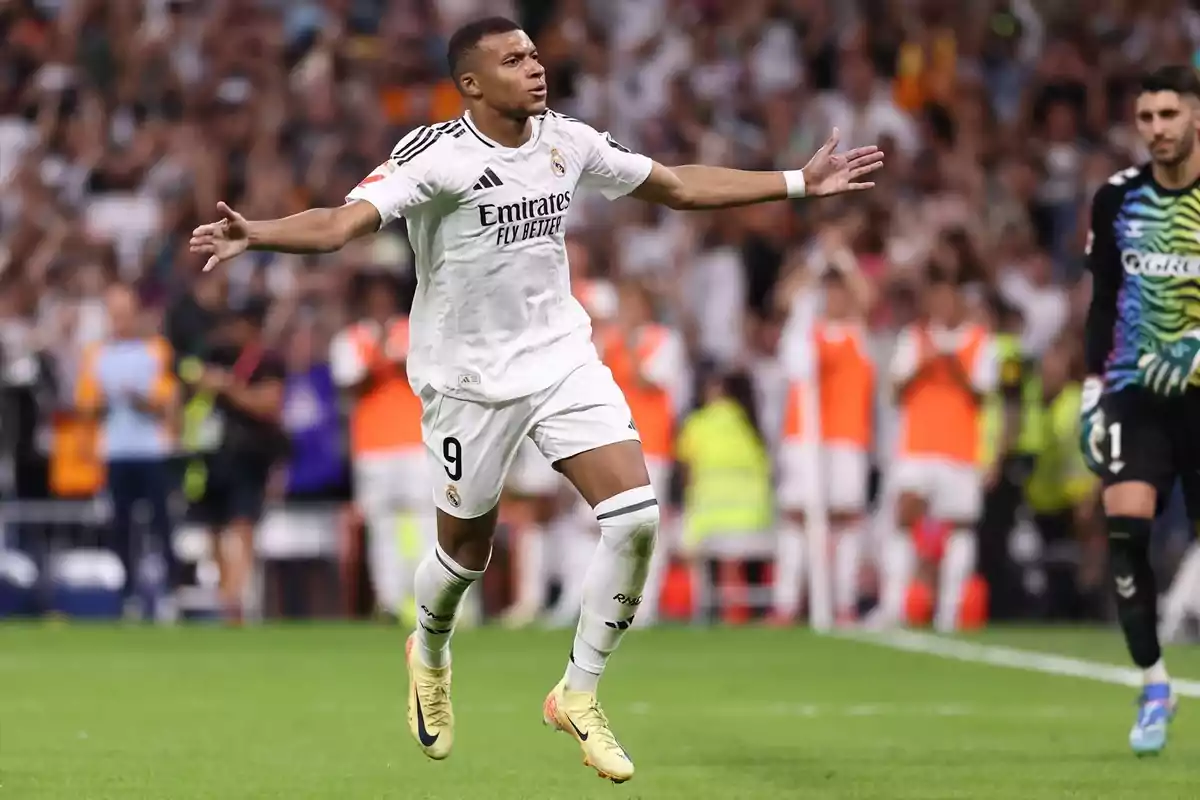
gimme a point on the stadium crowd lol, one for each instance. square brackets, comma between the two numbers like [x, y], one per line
[123, 124]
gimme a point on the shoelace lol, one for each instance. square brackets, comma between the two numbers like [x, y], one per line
[597, 724]
[435, 702]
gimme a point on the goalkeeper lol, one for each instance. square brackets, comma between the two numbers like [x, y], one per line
[1140, 421]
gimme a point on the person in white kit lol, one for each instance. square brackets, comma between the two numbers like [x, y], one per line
[501, 350]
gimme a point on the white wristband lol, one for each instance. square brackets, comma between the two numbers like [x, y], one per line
[794, 179]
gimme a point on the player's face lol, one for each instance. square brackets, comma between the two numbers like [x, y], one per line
[507, 75]
[1167, 123]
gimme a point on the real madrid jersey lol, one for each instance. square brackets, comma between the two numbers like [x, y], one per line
[494, 318]
[1144, 255]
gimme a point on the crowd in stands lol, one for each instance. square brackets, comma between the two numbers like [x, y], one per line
[123, 124]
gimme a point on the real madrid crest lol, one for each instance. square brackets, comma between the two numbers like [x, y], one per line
[557, 163]
[452, 496]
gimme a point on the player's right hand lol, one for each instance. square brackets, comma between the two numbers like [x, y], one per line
[1168, 371]
[221, 240]
[1092, 428]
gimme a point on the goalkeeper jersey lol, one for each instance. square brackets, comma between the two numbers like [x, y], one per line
[1143, 252]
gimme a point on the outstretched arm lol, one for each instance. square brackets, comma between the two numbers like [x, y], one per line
[317, 230]
[693, 187]
[406, 181]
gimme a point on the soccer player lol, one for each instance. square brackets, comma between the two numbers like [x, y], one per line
[1141, 409]
[500, 349]
[828, 348]
[942, 371]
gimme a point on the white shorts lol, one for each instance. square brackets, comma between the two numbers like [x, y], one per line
[531, 474]
[953, 490]
[471, 445]
[843, 477]
[390, 482]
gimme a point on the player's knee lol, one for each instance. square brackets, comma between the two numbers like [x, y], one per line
[633, 527]
[1130, 499]
[641, 532]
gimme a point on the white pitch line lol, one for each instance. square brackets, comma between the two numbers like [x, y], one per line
[1028, 660]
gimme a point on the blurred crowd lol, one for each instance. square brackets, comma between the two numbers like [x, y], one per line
[122, 124]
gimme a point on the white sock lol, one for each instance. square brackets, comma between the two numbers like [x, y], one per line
[531, 567]
[846, 557]
[958, 565]
[439, 588]
[384, 561]
[1156, 673]
[897, 567]
[613, 584]
[789, 570]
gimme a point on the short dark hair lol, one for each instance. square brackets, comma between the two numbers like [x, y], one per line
[1176, 78]
[464, 40]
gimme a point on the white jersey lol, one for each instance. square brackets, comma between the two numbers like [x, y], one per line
[493, 318]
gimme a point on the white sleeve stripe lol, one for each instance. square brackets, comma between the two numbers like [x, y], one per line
[422, 138]
[409, 139]
[615, 144]
[423, 143]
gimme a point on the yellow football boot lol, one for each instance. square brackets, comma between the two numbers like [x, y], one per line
[430, 715]
[579, 714]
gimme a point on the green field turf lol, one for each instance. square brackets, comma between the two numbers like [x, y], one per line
[318, 712]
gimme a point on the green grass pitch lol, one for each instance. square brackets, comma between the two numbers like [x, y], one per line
[318, 712]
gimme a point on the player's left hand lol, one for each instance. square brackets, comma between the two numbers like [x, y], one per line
[221, 240]
[1169, 370]
[829, 173]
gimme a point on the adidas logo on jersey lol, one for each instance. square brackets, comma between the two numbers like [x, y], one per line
[488, 180]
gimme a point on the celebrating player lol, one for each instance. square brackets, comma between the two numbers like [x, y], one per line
[500, 349]
[1141, 408]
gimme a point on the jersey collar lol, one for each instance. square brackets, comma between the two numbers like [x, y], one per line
[492, 143]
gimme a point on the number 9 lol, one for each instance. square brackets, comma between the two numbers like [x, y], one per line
[452, 452]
